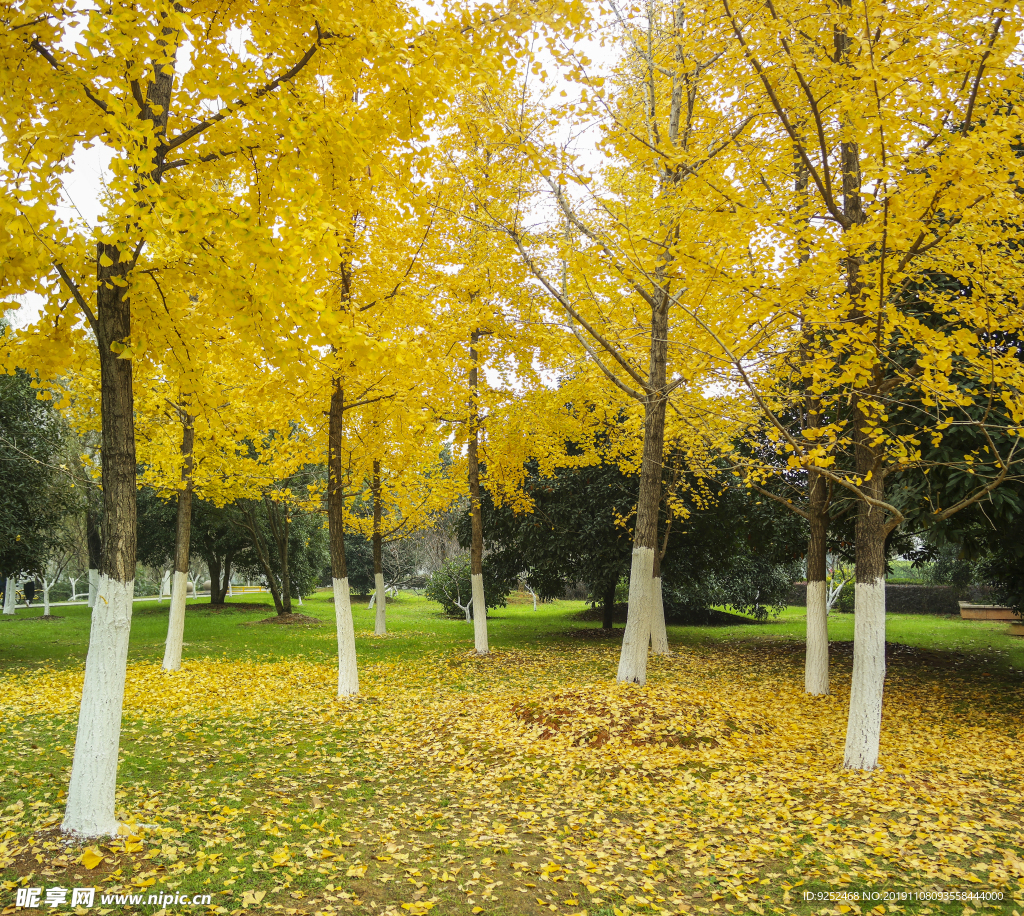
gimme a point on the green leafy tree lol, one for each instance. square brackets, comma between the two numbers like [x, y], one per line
[452, 587]
[36, 482]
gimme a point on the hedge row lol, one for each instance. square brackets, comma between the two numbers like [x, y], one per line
[941, 600]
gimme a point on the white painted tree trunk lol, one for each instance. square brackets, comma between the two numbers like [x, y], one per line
[94, 579]
[91, 794]
[479, 614]
[380, 626]
[633, 657]
[348, 670]
[816, 662]
[299, 599]
[230, 592]
[10, 596]
[176, 622]
[46, 597]
[373, 600]
[534, 594]
[74, 591]
[659, 635]
[864, 728]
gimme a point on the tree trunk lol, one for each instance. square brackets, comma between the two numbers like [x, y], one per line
[608, 605]
[176, 619]
[633, 657]
[91, 793]
[816, 661]
[348, 671]
[220, 577]
[280, 521]
[46, 597]
[10, 598]
[476, 550]
[213, 564]
[380, 626]
[863, 731]
[263, 558]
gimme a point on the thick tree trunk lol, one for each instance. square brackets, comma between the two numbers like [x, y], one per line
[380, 625]
[348, 672]
[213, 564]
[91, 794]
[176, 619]
[633, 657]
[816, 661]
[863, 731]
[608, 606]
[476, 549]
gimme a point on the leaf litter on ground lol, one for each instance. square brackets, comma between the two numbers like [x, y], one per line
[526, 782]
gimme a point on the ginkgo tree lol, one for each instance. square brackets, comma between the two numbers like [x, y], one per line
[177, 126]
[640, 225]
[904, 123]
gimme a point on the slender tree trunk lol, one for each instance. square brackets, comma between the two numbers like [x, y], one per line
[863, 731]
[176, 619]
[348, 671]
[46, 597]
[633, 657]
[476, 549]
[10, 598]
[91, 793]
[380, 626]
[608, 605]
[279, 524]
[263, 558]
[816, 662]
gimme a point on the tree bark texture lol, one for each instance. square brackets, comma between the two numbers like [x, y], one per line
[183, 532]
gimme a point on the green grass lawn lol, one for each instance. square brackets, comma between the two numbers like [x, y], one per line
[981, 646]
[526, 782]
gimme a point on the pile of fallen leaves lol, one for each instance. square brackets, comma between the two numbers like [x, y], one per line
[526, 782]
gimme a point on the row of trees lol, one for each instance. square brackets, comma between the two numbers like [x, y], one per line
[775, 240]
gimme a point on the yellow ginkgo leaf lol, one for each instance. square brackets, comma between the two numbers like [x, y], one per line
[356, 871]
[92, 857]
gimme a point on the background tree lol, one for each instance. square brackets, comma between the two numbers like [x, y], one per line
[36, 477]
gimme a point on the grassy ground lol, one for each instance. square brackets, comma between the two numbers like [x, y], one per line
[526, 782]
